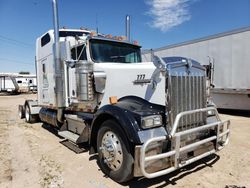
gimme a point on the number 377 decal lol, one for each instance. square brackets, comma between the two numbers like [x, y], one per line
[141, 79]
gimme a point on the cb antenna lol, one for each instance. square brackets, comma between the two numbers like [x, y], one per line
[96, 23]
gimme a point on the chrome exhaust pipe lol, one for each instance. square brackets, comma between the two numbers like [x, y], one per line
[58, 65]
[128, 23]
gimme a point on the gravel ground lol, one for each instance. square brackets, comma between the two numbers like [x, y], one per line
[31, 156]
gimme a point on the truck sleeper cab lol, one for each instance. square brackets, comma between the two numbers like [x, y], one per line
[142, 118]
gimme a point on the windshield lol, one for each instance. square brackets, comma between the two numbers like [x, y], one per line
[109, 51]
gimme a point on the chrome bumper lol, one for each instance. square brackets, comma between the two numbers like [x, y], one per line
[221, 138]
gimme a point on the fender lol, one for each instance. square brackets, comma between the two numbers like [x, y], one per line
[127, 112]
[33, 105]
[122, 116]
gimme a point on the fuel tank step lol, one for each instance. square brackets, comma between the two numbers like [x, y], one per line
[69, 136]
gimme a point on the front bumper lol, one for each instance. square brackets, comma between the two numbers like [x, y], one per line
[221, 139]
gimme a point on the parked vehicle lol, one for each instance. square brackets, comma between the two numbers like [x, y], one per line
[15, 83]
[8, 84]
[229, 53]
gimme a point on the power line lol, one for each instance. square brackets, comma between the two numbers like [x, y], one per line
[16, 44]
[15, 61]
[14, 41]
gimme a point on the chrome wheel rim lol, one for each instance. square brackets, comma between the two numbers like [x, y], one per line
[20, 113]
[111, 150]
[27, 114]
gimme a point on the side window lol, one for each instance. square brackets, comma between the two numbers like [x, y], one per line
[45, 40]
[79, 52]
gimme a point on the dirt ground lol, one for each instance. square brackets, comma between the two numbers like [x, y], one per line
[31, 156]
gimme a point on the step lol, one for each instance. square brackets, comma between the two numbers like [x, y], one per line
[75, 123]
[74, 147]
[69, 135]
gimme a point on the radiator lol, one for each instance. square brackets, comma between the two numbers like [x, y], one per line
[187, 92]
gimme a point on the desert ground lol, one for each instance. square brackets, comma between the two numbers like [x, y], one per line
[31, 155]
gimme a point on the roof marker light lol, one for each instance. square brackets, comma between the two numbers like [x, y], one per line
[108, 36]
[93, 33]
[135, 42]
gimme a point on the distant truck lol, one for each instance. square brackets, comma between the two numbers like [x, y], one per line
[230, 54]
[142, 119]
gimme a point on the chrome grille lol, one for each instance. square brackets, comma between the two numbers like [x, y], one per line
[187, 92]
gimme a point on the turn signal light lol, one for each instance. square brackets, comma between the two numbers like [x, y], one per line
[108, 36]
[93, 33]
[113, 100]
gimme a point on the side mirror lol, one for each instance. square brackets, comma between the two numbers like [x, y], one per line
[65, 52]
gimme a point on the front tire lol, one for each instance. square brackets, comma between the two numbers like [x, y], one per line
[114, 154]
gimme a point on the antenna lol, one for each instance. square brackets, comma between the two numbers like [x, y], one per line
[96, 23]
[152, 54]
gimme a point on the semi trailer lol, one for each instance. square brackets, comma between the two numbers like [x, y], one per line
[8, 83]
[15, 83]
[229, 52]
[140, 118]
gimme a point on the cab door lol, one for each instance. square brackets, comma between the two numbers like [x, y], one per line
[45, 70]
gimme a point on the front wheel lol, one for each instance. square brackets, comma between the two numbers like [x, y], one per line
[115, 158]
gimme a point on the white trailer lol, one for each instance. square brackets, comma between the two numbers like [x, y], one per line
[142, 119]
[230, 53]
[17, 83]
[8, 84]
[26, 83]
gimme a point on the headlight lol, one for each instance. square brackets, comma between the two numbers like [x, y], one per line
[210, 113]
[151, 121]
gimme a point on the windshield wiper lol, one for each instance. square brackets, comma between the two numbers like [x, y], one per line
[116, 56]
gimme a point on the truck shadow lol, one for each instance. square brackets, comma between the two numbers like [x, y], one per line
[173, 177]
[51, 129]
[80, 148]
[169, 179]
[244, 113]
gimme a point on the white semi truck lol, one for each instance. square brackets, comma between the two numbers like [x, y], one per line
[142, 119]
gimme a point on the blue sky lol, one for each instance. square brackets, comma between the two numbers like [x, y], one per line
[155, 23]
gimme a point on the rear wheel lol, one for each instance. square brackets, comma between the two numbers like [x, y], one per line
[30, 118]
[21, 111]
[114, 153]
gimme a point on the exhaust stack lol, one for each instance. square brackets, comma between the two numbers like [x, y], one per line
[128, 22]
[58, 65]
